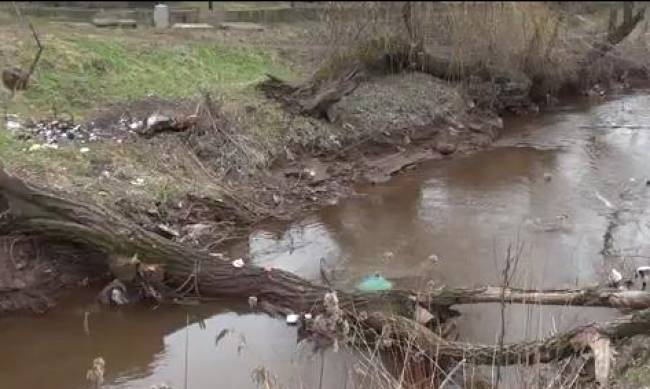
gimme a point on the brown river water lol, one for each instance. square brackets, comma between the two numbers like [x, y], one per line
[465, 211]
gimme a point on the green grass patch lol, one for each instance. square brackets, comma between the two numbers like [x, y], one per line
[79, 74]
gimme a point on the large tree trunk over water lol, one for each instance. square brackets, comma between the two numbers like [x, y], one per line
[35, 210]
[38, 211]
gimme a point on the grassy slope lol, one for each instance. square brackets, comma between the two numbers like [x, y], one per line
[79, 72]
[83, 70]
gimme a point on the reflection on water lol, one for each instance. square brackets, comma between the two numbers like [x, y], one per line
[144, 347]
[465, 212]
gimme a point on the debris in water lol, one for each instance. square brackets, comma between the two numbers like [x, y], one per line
[615, 277]
[374, 283]
[292, 319]
[96, 373]
[221, 335]
[604, 200]
[238, 263]
[162, 385]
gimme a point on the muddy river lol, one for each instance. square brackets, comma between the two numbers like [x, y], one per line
[448, 222]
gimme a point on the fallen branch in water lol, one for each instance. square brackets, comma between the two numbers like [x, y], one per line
[595, 338]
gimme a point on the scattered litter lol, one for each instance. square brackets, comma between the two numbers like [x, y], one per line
[193, 26]
[238, 263]
[13, 125]
[55, 131]
[615, 277]
[547, 177]
[138, 181]
[252, 302]
[292, 318]
[168, 230]
[308, 316]
[106, 174]
[277, 199]
[51, 146]
[157, 120]
[434, 258]
[216, 255]
[632, 179]
[136, 125]
[84, 150]
[374, 283]
[35, 147]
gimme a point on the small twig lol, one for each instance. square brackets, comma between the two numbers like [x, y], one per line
[187, 341]
[25, 79]
[451, 373]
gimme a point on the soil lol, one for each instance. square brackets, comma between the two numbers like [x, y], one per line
[33, 272]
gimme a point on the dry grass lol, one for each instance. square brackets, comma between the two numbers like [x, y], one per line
[516, 40]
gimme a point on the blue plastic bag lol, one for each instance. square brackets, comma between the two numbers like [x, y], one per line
[374, 283]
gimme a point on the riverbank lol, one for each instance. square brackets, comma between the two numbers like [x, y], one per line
[198, 153]
[246, 160]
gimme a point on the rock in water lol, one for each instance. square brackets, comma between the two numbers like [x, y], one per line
[374, 283]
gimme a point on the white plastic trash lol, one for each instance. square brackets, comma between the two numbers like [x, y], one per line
[238, 263]
[292, 319]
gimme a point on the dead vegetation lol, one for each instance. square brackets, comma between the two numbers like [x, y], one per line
[520, 53]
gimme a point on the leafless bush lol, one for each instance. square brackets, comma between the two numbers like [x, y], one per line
[535, 40]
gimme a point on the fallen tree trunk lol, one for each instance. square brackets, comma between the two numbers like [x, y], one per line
[588, 297]
[34, 210]
[538, 351]
[595, 338]
[28, 209]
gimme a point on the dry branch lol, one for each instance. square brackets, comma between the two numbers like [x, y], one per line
[16, 78]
